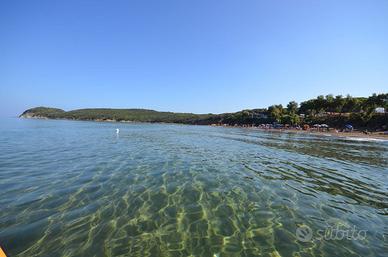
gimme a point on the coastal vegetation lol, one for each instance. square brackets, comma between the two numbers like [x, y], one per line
[336, 111]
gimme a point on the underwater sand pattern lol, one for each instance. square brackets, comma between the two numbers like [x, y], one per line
[78, 189]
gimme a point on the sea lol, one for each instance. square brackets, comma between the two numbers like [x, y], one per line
[78, 188]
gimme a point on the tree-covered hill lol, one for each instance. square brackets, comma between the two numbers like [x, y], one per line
[42, 112]
[106, 114]
[334, 111]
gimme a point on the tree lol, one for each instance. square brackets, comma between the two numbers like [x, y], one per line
[320, 104]
[292, 107]
[307, 107]
[276, 112]
[349, 104]
[329, 104]
[295, 119]
[292, 119]
[338, 103]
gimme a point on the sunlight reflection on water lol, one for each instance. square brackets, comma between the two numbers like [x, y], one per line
[80, 189]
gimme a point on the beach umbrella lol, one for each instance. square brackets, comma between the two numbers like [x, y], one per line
[324, 126]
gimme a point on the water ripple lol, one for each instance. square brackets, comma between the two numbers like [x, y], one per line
[78, 189]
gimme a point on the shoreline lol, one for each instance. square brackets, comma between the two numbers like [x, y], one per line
[372, 136]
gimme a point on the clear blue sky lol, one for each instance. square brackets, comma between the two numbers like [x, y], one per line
[188, 55]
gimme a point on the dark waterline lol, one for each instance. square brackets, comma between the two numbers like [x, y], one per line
[77, 189]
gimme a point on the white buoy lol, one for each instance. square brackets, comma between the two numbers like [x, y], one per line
[117, 131]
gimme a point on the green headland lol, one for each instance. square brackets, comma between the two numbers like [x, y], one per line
[335, 111]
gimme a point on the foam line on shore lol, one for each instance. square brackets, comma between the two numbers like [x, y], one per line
[366, 139]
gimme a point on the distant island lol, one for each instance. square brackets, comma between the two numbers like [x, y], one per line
[335, 111]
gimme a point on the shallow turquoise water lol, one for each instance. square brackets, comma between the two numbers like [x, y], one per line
[77, 189]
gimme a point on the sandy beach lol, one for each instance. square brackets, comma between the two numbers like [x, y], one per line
[356, 135]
